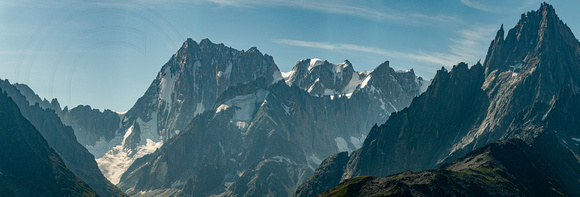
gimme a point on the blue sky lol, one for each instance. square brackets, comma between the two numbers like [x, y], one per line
[106, 53]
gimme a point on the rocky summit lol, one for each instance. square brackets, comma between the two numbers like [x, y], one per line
[469, 107]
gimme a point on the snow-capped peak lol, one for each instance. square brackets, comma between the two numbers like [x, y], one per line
[314, 63]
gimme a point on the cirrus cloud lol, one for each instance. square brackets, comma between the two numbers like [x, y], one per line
[469, 45]
[499, 6]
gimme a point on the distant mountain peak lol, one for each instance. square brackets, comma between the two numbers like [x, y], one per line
[188, 44]
[320, 77]
[205, 41]
[254, 50]
[384, 67]
[347, 62]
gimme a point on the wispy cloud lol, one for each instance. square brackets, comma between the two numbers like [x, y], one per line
[352, 8]
[499, 6]
[477, 5]
[348, 9]
[470, 45]
[432, 58]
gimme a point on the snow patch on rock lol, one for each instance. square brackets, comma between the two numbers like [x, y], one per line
[200, 108]
[117, 160]
[241, 125]
[287, 76]
[365, 81]
[221, 108]
[149, 129]
[313, 84]
[178, 184]
[166, 87]
[245, 106]
[357, 142]
[314, 63]
[281, 159]
[277, 76]
[341, 144]
[103, 146]
[354, 82]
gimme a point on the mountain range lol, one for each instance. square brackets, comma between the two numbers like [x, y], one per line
[237, 102]
[217, 121]
[513, 95]
[268, 127]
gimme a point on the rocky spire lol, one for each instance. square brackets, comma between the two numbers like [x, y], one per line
[530, 40]
[494, 48]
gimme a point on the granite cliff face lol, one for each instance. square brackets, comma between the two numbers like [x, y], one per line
[468, 108]
[262, 139]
